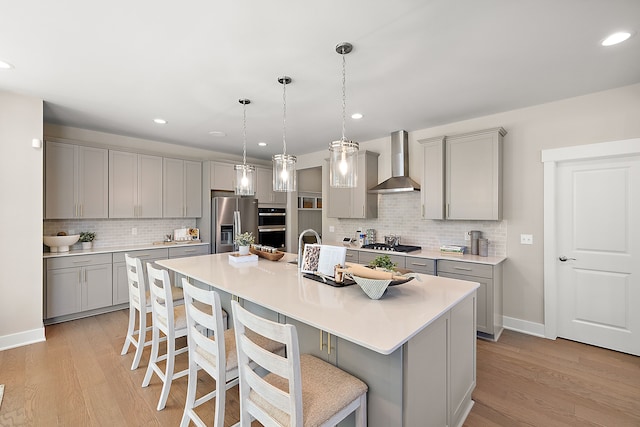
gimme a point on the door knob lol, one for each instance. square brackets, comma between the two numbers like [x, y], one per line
[564, 258]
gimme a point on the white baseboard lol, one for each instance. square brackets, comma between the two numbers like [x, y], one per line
[524, 326]
[22, 338]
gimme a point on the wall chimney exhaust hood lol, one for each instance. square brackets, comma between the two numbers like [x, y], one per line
[399, 181]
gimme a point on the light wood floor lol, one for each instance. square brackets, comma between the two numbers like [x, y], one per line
[78, 378]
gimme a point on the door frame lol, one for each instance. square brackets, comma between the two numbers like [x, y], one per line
[551, 158]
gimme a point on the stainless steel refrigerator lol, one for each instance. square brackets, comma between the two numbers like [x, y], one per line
[231, 216]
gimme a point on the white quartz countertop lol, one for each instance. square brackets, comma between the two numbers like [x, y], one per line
[111, 249]
[430, 254]
[380, 325]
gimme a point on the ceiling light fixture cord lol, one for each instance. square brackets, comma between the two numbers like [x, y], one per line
[244, 133]
[344, 93]
[284, 115]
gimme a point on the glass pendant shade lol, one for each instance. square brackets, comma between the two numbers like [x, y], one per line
[343, 154]
[245, 180]
[284, 172]
[343, 164]
[284, 165]
[245, 174]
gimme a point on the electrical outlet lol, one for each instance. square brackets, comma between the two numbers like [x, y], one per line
[467, 237]
[332, 229]
[526, 239]
[134, 231]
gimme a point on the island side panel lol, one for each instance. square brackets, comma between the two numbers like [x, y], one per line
[462, 361]
[425, 376]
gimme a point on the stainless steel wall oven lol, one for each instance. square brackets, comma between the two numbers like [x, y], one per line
[272, 227]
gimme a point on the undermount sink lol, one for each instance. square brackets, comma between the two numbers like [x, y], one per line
[60, 243]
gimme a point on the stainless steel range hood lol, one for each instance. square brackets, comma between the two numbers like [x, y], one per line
[399, 181]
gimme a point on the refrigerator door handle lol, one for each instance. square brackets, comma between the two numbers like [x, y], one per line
[237, 225]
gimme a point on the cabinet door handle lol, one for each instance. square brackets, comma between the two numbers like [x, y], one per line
[187, 251]
[447, 210]
[321, 341]
[419, 264]
[82, 262]
[328, 343]
[462, 268]
[81, 210]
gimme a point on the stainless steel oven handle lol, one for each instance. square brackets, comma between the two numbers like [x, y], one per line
[272, 214]
[269, 230]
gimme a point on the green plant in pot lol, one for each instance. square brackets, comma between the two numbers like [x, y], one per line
[244, 240]
[87, 237]
[384, 262]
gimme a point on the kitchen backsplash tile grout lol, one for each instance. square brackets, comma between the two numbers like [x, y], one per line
[400, 214]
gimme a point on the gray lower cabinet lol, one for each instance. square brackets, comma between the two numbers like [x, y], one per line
[352, 256]
[430, 377]
[421, 265]
[489, 310]
[184, 252]
[120, 281]
[76, 284]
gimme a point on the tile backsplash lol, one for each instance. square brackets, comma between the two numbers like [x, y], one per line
[118, 232]
[400, 214]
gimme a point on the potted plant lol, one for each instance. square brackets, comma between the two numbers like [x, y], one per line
[86, 237]
[243, 241]
[384, 262]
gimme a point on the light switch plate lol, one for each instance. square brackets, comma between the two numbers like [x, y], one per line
[526, 239]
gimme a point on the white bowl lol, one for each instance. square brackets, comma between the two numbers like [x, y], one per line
[60, 243]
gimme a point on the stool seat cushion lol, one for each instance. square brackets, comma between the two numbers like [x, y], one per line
[326, 390]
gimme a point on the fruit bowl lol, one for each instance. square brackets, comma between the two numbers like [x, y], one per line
[60, 243]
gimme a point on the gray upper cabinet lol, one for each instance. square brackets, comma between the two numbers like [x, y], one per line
[76, 181]
[222, 176]
[432, 188]
[463, 176]
[356, 202]
[264, 188]
[182, 189]
[135, 185]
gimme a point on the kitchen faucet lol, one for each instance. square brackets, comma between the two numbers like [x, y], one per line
[308, 230]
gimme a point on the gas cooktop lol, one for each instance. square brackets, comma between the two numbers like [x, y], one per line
[394, 248]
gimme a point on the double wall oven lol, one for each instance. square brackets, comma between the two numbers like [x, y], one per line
[272, 227]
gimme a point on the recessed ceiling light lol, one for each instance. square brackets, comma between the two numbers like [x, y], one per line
[160, 121]
[5, 65]
[217, 133]
[262, 144]
[356, 116]
[616, 38]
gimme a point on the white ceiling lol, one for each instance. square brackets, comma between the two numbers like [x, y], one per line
[114, 66]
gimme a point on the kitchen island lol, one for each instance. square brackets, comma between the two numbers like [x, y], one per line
[414, 347]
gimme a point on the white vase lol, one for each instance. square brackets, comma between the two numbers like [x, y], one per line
[87, 245]
[243, 250]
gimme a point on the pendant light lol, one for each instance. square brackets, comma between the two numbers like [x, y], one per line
[343, 154]
[284, 165]
[245, 174]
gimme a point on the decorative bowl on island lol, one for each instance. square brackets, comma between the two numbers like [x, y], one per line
[60, 243]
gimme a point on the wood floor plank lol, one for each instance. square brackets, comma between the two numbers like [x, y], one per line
[78, 378]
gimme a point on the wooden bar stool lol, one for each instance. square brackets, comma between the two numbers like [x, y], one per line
[298, 390]
[140, 303]
[172, 322]
[211, 348]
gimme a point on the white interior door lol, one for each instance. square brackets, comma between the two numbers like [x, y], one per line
[598, 261]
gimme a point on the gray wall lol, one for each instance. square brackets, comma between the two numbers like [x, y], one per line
[21, 219]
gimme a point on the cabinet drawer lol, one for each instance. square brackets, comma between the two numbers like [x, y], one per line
[186, 251]
[78, 261]
[367, 257]
[351, 256]
[466, 268]
[143, 254]
[421, 265]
